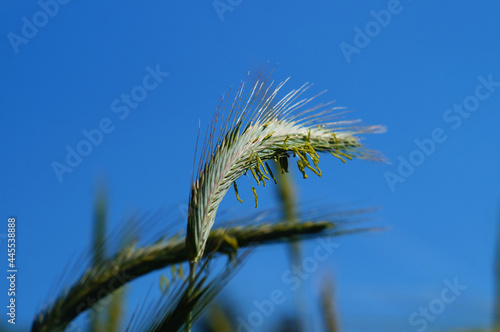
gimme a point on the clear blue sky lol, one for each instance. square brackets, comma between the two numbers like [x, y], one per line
[420, 68]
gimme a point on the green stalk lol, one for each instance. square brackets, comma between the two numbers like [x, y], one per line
[287, 196]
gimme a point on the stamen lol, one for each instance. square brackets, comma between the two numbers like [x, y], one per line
[271, 173]
[236, 191]
[256, 198]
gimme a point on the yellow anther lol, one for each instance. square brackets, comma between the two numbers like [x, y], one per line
[284, 143]
[259, 162]
[256, 198]
[283, 164]
[236, 191]
[300, 164]
[336, 155]
[261, 175]
[268, 136]
[255, 175]
[343, 154]
[271, 173]
[317, 172]
[336, 140]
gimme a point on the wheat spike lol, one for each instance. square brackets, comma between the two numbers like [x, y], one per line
[260, 128]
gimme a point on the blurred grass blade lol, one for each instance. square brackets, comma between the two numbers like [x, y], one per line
[107, 317]
[99, 251]
[328, 308]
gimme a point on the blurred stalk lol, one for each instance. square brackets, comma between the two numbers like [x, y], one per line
[328, 308]
[115, 308]
[99, 249]
[496, 318]
[106, 318]
[288, 198]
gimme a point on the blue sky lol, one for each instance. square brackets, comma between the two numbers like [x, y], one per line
[428, 71]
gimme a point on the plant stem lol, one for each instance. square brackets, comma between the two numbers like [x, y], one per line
[192, 275]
